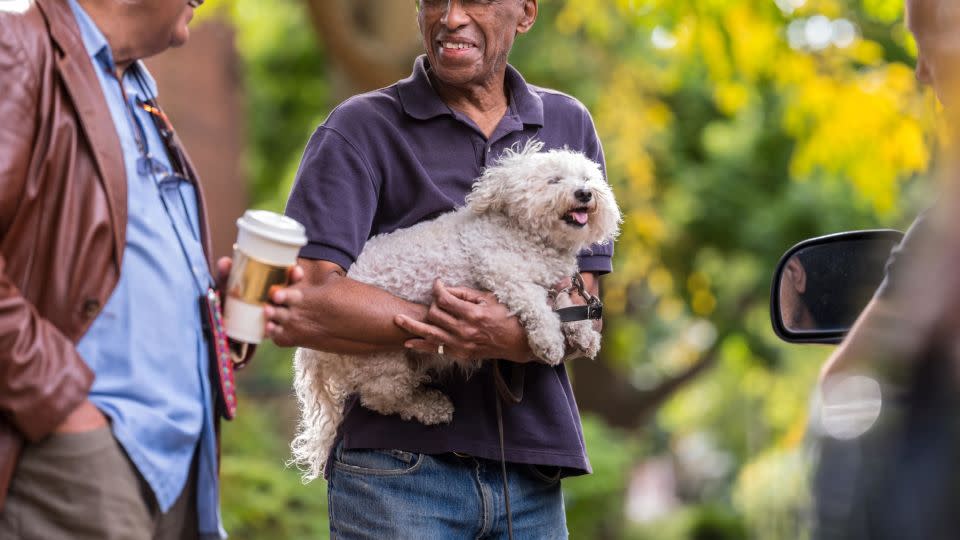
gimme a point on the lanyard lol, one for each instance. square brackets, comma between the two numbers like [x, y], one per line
[146, 163]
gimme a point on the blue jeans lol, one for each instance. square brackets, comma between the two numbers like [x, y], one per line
[395, 494]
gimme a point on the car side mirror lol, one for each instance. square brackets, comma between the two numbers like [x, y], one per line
[822, 284]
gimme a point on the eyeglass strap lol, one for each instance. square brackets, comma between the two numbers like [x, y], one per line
[178, 162]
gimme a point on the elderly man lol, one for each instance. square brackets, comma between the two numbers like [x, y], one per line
[107, 422]
[388, 160]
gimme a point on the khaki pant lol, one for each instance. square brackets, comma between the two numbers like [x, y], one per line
[82, 486]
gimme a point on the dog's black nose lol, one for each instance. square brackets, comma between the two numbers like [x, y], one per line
[583, 195]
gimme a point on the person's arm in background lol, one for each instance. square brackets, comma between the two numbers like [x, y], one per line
[912, 305]
[43, 381]
[874, 335]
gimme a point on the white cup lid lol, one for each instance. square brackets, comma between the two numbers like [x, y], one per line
[273, 226]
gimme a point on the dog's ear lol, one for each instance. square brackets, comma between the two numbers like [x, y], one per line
[608, 218]
[487, 194]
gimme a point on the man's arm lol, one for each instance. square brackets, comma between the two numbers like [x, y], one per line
[42, 378]
[874, 333]
[915, 304]
[328, 311]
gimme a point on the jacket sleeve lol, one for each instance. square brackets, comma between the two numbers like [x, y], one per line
[42, 377]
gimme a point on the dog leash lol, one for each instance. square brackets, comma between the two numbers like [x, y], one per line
[513, 393]
[505, 392]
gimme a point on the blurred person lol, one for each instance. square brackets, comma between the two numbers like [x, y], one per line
[387, 160]
[899, 476]
[936, 26]
[107, 420]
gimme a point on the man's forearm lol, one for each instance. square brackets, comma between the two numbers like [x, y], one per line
[341, 315]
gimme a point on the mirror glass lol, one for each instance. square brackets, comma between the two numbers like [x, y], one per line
[824, 286]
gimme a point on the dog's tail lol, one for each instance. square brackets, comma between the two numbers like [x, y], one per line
[321, 411]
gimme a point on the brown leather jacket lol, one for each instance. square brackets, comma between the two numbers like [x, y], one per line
[63, 215]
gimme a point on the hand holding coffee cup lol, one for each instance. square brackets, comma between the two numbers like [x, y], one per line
[267, 247]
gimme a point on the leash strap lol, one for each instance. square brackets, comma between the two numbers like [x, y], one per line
[511, 392]
[503, 391]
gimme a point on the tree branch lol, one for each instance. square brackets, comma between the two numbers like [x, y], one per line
[369, 60]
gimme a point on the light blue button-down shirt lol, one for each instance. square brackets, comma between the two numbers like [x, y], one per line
[147, 346]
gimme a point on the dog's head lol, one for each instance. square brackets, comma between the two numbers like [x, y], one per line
[559, 194]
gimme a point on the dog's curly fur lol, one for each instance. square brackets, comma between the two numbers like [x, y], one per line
[517, 237]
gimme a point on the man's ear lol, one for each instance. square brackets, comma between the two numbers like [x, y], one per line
[797, 274]
[530, 9]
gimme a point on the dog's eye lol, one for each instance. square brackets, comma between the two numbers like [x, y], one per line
[554, 180]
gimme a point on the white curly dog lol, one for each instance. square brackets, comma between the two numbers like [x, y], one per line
[519, 234]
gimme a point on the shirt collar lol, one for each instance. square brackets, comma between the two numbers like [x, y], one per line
[99, 49]
[419, 99]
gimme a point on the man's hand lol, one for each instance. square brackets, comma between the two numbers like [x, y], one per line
[470, 324]
[286, 326]
[224, 264]
[86, 417]
[284, 300]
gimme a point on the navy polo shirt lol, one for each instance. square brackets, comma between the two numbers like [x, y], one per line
[397, 156]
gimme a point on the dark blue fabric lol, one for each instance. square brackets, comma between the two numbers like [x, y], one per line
[899, 256]
[394, 157]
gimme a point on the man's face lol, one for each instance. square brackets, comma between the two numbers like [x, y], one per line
[936, 26]
[163, 24]
[468, 41]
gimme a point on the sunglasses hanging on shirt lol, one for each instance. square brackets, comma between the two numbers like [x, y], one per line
[211, 309]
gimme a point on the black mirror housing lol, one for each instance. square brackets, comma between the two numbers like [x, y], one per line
[822, 284]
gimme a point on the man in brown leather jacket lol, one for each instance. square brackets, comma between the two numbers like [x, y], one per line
[106, 422]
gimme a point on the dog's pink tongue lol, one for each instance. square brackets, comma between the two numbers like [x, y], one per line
[580, 217]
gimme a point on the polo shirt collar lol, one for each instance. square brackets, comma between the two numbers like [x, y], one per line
[99, 49]
[419, 99]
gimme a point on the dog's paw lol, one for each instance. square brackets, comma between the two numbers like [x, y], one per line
[583, 337]
[432, 407]
[550, 353]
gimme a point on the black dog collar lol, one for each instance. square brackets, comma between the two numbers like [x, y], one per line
[591, 311]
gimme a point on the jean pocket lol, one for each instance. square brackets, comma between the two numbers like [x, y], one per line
[377, 462]
[548, 474]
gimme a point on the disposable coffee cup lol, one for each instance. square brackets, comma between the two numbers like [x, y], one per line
[267, 247]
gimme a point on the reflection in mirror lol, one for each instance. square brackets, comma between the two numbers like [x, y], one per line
[824, 287]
